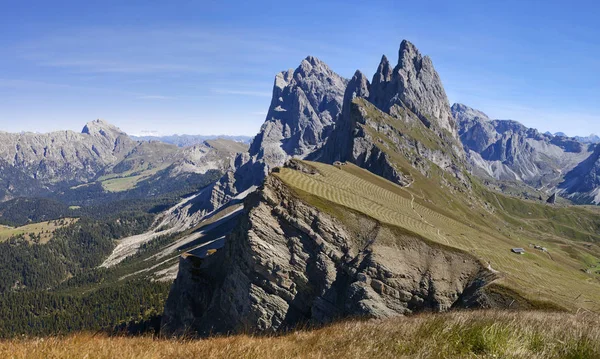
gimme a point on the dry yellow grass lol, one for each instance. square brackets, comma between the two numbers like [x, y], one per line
[482, 334]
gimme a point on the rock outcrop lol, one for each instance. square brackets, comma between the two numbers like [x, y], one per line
[288, 263]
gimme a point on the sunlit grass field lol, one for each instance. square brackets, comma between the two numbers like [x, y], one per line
[465, 334]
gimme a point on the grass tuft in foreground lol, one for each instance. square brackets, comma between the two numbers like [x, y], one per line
[476, 334]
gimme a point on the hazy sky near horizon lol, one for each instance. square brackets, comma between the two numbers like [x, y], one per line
[207, 67]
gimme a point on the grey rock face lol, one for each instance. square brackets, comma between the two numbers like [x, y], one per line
[288, 263]
[582, 183]
[305, 105]
[339, 146]
[66, 155]
[414, 84]
[507, 150]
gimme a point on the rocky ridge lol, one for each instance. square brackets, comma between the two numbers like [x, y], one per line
[289, 263]
[402, 111]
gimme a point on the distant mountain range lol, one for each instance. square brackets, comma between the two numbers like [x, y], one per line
[508, 151]
[190, 140]
[43, 164]
[584, 139]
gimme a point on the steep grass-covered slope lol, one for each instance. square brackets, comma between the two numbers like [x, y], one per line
[487, 229]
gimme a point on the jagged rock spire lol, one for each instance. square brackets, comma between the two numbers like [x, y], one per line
[305, 105]
[415, 84]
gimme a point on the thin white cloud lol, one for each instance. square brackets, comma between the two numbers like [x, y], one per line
[241, 92]
[92, 66]
[140, 51]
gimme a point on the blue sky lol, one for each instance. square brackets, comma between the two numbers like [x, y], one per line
[207, 67]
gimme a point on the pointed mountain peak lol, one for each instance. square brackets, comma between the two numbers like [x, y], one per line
[414, 84]
[311, 65]
[101, 127]
[384, 71]
[463, 112]
[314, 61]
[408, 50]
[358, 86]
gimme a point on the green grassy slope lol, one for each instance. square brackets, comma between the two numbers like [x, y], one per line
[479, 222]
[44, 229]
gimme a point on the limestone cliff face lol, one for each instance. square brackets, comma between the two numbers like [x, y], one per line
[289, 263]
[305, 105]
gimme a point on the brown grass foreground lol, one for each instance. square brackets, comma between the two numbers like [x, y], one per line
[478, 334]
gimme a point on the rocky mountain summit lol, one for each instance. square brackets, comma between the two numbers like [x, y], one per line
[316, 114]
[404, 112]
[413, 84]
[306, 104]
